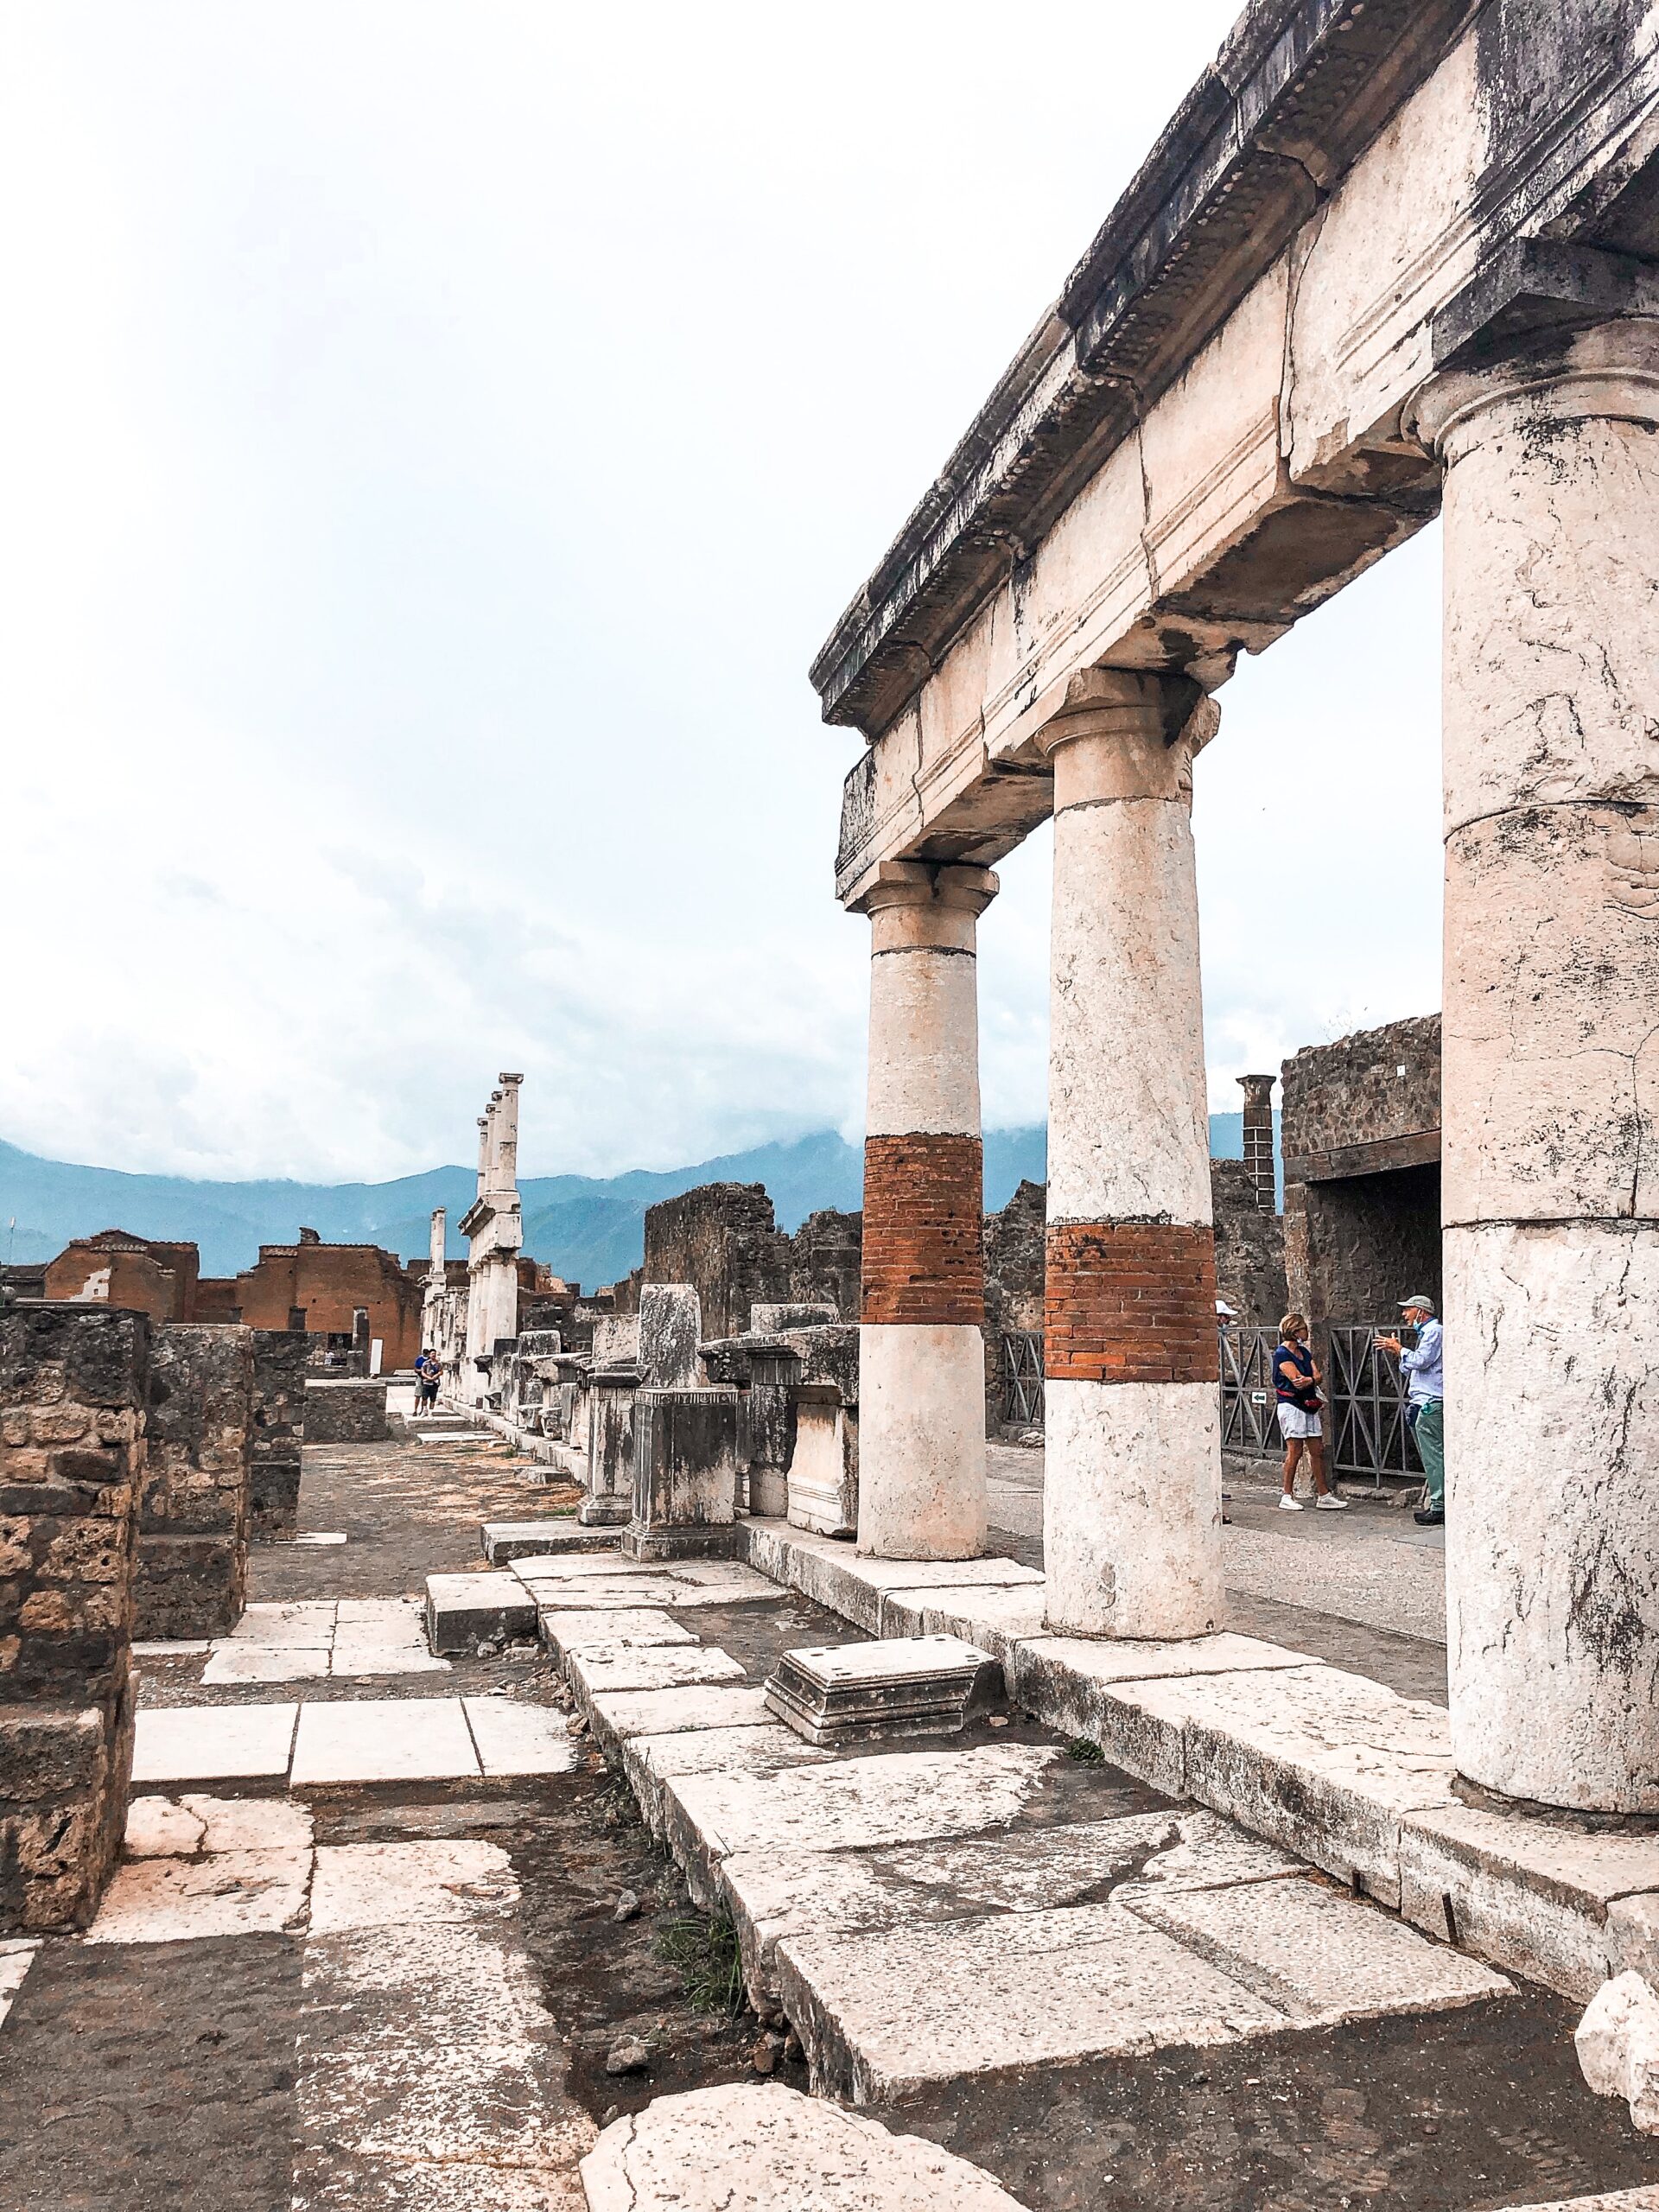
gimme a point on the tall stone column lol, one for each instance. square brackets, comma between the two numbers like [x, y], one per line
[1132, 1498]
[1550, 1174]
[921, 1345]
[1258, 1140]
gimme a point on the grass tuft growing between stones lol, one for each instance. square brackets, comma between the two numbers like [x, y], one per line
[1084, 1752]
[704, 1954]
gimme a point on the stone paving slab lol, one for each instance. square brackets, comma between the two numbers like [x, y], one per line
[834, 1576]
[759, 2147]
[885, 2015]
[179, 1900]
[1060, 1679]
[383, 1739]
[650, 1762]
[622, 1714]
[310, 1623]
[221, 1743]
[778, 1894]
[1325, 1763]
[514, 1737]
[1563, 1904]
[642, 1626]
[995, 1619]
[15, 1957]
[258, 1663]
[1621, 2199]
[185, 1826]
[1319, 1955]
[355, 1659]
[463, 1611]
[604, 1671]
[508, 1539]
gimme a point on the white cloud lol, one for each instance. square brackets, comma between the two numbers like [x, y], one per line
[435, 440]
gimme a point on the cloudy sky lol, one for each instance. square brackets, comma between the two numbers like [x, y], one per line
[436, 439]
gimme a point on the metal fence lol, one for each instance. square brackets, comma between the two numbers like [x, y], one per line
[1022, 1377]
[1248, 1421]
[1365, 1409]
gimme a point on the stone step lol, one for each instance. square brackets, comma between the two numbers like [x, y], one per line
[506, 1541]
[775, 1894]
[759, 2147]
[911, 1686]
[598, 1674]
[463, 1611]
[566, 1632]
[887, 2015]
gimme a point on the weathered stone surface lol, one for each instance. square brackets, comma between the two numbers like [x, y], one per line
[513, 1736]
[759, 2147]
[600, 1672]
[684, 1474]
[835, 1576]
[1325, 1763]
[383, 1739]
[609, 1501]
[822, 1491]
[619, 1714]
[1617, 2043]
[909, 1685]
[1316, 1955]
[650, 1762]
[1537, 1895]
[345, 1412]
[506, 1541]
[194, 1503]
[228, 1742]
[995, 1618]
[645, 1625]
[463, 1611]
[1061, 1679]
[884, 2015]
[670, 1328]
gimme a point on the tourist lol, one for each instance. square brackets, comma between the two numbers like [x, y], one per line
[426, 1367]
[1296, 1386]
[1425, 1400]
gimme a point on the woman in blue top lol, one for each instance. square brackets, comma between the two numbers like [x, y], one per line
[1296, 1386]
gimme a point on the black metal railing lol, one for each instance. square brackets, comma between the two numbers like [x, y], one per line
[1249, 1423]
[1022, 1377]
[1365, 1401]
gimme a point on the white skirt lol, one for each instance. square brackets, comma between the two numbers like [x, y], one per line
[1293, 1423]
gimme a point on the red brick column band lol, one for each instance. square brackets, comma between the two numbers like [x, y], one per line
[1130, 1301]
[924, 1229]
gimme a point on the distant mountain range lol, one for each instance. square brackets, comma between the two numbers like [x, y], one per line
[590, 1229]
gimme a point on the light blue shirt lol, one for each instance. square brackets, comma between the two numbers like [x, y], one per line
[1425, 1377]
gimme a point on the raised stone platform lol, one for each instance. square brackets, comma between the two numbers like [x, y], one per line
[506, 1541]
[463, 1611]
[914, 1686]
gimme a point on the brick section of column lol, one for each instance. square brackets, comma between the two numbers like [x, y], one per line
[923, 1230]
[1130, 1302]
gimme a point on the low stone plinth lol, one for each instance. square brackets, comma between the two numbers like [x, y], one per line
[852, 1692]
[463, 1611]
[351, 1411]
[72, 1387]
[684, 1475]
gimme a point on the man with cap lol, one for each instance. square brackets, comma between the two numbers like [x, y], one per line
[1425, 1389]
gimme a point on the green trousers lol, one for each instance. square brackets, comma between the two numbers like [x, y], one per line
[1429, 1436]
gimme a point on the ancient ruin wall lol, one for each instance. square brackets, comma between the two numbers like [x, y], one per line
[194, 1502]
[72, 1388]
[278, 1407]
[1378, 1088]
[1250, 1246]
[724, 1240]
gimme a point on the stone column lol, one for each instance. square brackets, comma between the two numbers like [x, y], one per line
[1132, 1500]
[921, 1344]
[1551, 1069]
[1258, 1140]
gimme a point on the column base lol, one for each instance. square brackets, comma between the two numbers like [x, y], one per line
[921, 1441]
[1132, 1509]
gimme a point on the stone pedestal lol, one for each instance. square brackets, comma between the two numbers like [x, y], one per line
[72, 1385]
[906, 1685]
[278, 1409]
[922, 1346]
[345, 1412]
[684, 1475]
[774, 1367]
[822, 1490]
[1132, 1500]
[610, 1397]
[194, 1502]
[1550, 1192]
[671, 1327]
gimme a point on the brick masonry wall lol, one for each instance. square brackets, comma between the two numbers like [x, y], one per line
[278, 1411]
[923, 1261]
[1131, 1302]
[345, 1413]
[73, 1392]
[194, 1502]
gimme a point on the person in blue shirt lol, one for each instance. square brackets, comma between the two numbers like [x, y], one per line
[1296, 1386]
[1422, 1366]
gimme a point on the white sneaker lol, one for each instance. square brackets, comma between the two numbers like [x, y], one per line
[1288, 1503]
[1330, 1503]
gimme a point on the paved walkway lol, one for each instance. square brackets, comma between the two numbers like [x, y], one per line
[1364, 1589]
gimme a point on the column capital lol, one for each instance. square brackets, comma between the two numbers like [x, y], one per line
[1257, 1089]
[945, 888]
[1128, 733]
[1608, 369]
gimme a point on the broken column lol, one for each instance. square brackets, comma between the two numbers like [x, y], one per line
[1132, 1498]
[72, 1457]
[194, 1502]
[684, 1438]
[437, 1282]
[1551, 1061]
[278, 1409]
[774, 1369]
[494, 1226]
[1258, 1140]
[922, 1347]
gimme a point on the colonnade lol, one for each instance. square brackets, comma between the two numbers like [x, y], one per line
[1551, 1154]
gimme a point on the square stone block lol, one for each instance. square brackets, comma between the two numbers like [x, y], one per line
[463, 1611]
[216, 1742]
[909, 1686]
[383, 1739]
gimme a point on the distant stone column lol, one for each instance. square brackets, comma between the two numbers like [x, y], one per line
[1550, 1177]
[921, 1343]
[1132, 1499]
[1258, 1140]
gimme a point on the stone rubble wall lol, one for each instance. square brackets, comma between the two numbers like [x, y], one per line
[278, 1430]
[345, 1413]
[74, 1390]
[193, 1501]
